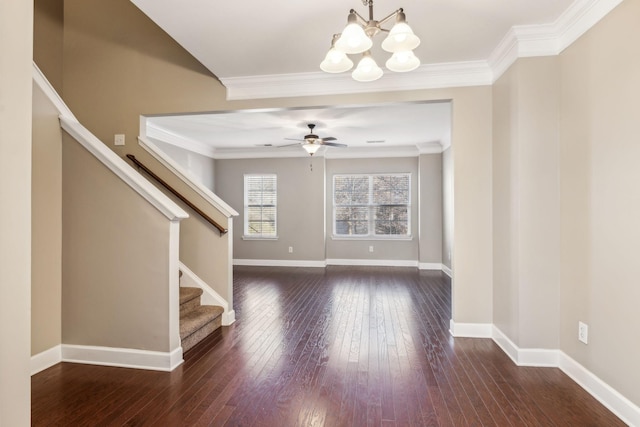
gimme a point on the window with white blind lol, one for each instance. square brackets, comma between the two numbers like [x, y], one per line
[376, 205]
[260, 206]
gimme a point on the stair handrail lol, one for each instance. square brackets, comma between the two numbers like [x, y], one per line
[207, 218]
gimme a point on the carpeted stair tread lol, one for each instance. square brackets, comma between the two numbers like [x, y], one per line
[195, 319]
[187, 294]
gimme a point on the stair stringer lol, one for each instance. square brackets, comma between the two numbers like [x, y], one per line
[209, 295]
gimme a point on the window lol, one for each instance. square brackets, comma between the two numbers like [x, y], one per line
[371, 205]
[260, 206]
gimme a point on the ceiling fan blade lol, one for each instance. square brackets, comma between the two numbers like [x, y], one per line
[333, 144]
[294, 139]
[288, 145]
[329, 138]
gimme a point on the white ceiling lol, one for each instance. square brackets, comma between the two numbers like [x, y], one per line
[407, 126]
[273, 48]
[251, 37]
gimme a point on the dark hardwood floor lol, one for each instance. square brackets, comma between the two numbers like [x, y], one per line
[341, 346]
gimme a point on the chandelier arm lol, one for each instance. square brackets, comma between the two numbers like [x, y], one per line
[360, 17]
[388, 17]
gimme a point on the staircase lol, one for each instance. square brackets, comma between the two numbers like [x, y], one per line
[196, 321]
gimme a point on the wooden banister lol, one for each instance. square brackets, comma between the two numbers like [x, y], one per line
[207, 218]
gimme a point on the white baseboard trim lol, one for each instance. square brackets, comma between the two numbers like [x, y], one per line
[209, 295]
[122, 357]
[373, 262]
[622, 407]
[430, 266]
[46, 359]
[228, 317]
[446, 270]
[537, 357]
[470, 330]
[279, 263]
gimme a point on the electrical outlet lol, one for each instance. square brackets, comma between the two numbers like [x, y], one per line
[583, 332]
[290, 249]
[370, 248]
[118, 139]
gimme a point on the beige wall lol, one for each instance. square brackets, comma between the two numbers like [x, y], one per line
[431, 209]
[47, 39]
[600, 206]
[526, 203]
[46, 225]
[115, 259]
[16, 38]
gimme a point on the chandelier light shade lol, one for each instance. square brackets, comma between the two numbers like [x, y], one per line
[357, 38]
[353, 38]
[401, 37]
[403, 61]
[367, 69]
[336, 61]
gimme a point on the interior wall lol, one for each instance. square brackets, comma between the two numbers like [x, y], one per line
[46, 225]
[447, 207]
[16, 41]
[350, 249]
[600, 206]
[300, 218]
[48, 20]
[431, 209]
[526, 203]
[199, 166]
[115, 259]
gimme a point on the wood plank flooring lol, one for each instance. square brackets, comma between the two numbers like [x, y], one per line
[341, 346]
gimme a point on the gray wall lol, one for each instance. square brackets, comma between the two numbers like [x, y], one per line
[300, 218]
[431, 209]
[305, 209]
[447, 207]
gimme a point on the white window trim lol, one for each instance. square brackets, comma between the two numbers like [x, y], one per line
[370, 236]
[246, 236]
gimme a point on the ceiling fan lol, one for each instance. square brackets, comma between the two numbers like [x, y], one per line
[311, 142]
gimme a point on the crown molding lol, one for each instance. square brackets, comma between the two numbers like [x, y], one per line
[428, 76]
[524, 41]
[520, 42]
[161, 134]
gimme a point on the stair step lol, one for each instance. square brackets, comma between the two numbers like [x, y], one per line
[189, 299]
[198, 323]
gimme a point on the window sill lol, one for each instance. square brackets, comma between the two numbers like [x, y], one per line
[378, 238]
[259, 238]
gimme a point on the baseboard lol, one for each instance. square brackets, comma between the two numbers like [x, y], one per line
[622, 407]
[209, 295]
[446, 270]
[228, 317]
[279, 263]
[470, 330]
[537, 357]
[373, 262]
[122, 357]
[430, 266]
[46, 359]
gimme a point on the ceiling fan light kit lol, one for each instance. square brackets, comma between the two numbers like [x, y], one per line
[357, 38]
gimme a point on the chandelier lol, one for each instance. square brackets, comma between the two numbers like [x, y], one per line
[356, 38]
